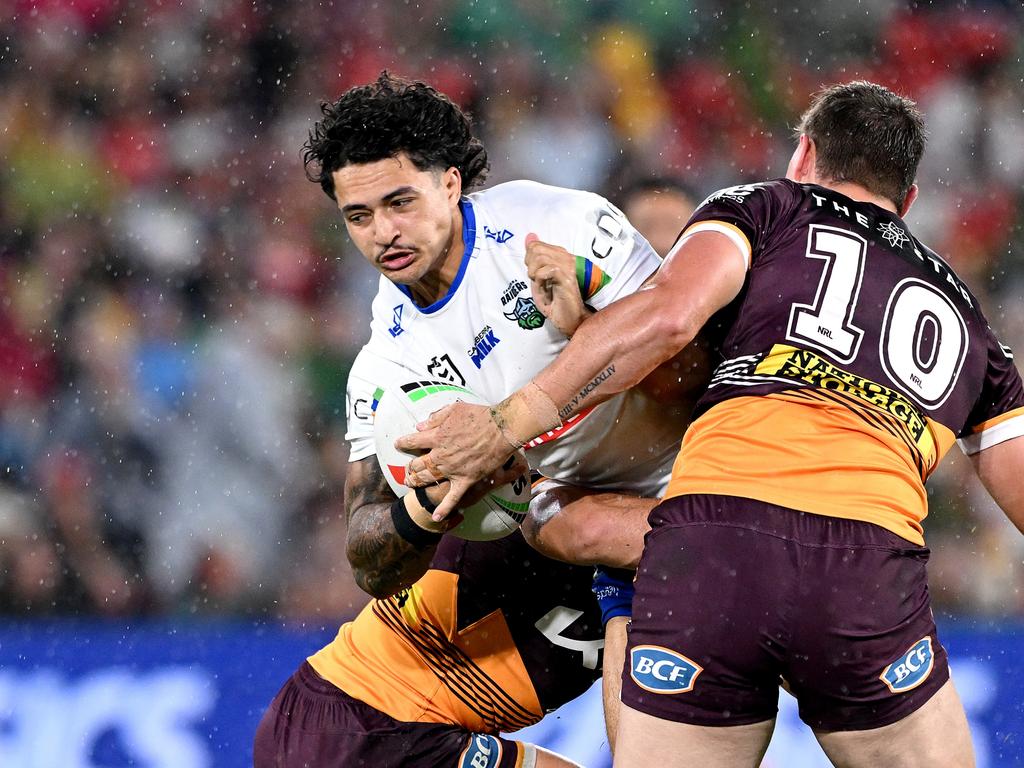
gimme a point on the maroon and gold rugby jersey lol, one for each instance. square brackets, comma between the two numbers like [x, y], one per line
[854, 358]
[492, 637]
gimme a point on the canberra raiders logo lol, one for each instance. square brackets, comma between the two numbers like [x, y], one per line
[526, 314]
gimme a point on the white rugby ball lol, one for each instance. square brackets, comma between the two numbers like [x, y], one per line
[397, 411]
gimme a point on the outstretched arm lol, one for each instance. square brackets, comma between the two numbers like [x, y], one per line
[616, 348]
[614, 591]
[615, 642]
[611, 351]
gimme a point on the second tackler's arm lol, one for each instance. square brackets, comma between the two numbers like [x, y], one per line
[554, 284]
[611, 351]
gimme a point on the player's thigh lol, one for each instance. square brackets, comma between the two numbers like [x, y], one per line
[645, 741]
[707, 637]
[934, 736]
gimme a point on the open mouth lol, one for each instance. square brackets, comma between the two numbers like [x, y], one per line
[397, 259]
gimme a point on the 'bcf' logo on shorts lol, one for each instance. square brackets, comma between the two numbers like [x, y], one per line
[483, 751]
[911, 669]
[660, 670]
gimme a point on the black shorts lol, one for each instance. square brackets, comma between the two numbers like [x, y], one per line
[314, 724]
[735, 596]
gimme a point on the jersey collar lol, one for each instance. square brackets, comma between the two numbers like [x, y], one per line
[468, 243]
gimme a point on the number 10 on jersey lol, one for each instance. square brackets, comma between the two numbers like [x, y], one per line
[923, 341]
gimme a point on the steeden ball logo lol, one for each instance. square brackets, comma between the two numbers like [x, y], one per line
[660, 670]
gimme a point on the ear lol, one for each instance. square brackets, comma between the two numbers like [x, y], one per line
[452, 181]
[802, 163]
[908, 200]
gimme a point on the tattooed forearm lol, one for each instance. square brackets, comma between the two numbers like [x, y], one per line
[382, 561]
[582, 395]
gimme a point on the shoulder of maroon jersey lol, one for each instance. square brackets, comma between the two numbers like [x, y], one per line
[933, 255]
[957, 283]
[740, 193]
[449, 554]
[456, 555]
[508, 575]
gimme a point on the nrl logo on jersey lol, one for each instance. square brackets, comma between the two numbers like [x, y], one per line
[442, 367]
[737, 194]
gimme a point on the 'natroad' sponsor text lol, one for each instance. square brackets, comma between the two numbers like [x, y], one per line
[803, 365]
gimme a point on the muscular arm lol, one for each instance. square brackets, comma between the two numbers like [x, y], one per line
[614, 349]
[1000, 469]
[580, 526]
[383, 563]
[611, 351]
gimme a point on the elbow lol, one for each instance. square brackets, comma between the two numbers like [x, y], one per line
[561, 539]
[371, 578]
[376, 582]
[575, 526]
[374, 586]
[673, 330]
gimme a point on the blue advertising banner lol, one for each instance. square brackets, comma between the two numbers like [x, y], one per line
[141, 695]
[189, 695]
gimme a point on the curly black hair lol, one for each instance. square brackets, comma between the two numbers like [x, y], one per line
[377, 121]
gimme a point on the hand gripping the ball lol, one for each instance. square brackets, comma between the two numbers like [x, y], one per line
[460, 443]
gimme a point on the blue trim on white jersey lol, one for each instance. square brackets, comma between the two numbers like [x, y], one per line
[468, 243]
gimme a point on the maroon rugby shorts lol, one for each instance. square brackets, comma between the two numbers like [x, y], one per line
[314, 724]
[735, 596]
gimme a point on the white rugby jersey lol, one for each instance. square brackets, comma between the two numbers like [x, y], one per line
[487, 334]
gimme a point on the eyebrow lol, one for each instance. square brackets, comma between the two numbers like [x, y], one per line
[387, 198]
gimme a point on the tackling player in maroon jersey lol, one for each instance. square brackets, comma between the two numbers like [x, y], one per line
[790, 541]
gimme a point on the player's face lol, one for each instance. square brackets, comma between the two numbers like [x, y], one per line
[405, 221]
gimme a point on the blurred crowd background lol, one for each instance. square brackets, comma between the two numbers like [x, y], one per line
[180, 306]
